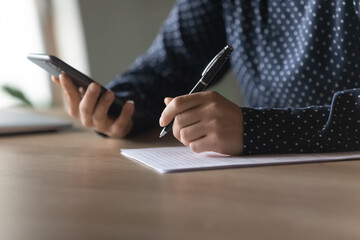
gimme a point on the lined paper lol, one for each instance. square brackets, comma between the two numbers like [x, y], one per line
[175, 159]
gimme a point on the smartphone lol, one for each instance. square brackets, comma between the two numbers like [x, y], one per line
[55, 67]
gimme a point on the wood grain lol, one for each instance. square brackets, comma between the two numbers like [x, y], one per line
[76, 185]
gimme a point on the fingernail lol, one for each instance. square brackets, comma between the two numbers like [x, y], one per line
[61, 75]
[81, 91]
[129, 103]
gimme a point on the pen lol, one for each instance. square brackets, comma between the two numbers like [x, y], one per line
[207, 75]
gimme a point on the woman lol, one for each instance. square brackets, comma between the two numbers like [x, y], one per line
[297, 63]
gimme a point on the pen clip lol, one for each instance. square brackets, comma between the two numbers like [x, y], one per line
[213, 62]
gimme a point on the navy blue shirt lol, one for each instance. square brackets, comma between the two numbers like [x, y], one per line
[297, 63]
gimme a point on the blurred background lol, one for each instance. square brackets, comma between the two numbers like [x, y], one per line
[99, 37]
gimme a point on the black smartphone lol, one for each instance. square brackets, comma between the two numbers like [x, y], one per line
[55, 66]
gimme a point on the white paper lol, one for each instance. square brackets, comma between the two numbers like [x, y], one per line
[174, 159]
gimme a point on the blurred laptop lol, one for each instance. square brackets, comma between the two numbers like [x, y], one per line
[20, 121]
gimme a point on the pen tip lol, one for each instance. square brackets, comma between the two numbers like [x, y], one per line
[163, 132]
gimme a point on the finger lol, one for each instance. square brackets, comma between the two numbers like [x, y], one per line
[71, 95]
[190, 133]
[167, 100]
[55, 80]
[188, 117]
[178, 105]
[202, 145]
[88, 103]
[123, 124]
[100, 117]
[212, 142]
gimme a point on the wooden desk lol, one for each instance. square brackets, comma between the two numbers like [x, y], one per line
[76, 185]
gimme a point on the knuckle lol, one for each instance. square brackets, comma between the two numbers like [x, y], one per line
[213, 95]
[211, 107]
[177, 102]
[177, 136]
[72, 113]
[118, 128]
[194, 147]
[116, 132]
[86, 123]
[214, 107]
[179, 118]
[176, 133]
[216, 124]
[184, 137]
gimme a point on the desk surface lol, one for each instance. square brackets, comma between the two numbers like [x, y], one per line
[76, 185]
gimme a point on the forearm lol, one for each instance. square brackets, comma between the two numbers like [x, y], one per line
[312, 129]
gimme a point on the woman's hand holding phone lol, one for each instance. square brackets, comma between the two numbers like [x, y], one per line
[93, 113]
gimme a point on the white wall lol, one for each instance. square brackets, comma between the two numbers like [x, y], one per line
[21, 35]
[69, 34]
[118, 31]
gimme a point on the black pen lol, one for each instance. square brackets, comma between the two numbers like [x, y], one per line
[208, 74]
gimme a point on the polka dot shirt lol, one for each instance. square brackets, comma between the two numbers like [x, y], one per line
[297, 63]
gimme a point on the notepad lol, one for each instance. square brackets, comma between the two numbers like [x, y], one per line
[176, 159]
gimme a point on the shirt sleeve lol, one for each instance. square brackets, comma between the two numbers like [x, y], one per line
[312, 129]
[357, 7]
[190, 37]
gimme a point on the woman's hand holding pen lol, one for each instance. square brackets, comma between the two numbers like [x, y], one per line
[84, 106]
[205, 121]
